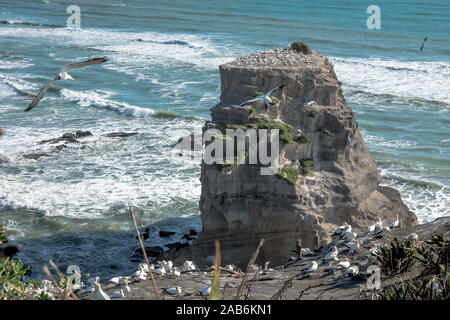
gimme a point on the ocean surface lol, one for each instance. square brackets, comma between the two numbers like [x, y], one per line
[164, 55]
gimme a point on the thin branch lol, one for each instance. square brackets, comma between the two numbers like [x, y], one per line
[247, 271]
[144, 252]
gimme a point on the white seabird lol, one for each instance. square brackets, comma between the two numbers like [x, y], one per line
[311, 267]
[101, 295]
[63, 75]
[371, 228]
[117, 294]
[380, 231]
[188, 266]
[353, 245]
[395, 223]
[379, 223]
[411, 236]
[353, 271]
[265, 97]
[117, 280]
[348, 234]
[341, 229]
[206, 291]
[332, 255]
[345, 264]
[306, 252]
[374, 249]
[174, 290]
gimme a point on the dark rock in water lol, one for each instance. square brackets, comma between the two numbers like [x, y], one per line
[120, 134]
[35, 156]
[177, 245]
[60, 147]
[192, 232]
[152, 252]
[68, 137]
[164, 234]
[8, 250]
[188, 237]
[145, 235]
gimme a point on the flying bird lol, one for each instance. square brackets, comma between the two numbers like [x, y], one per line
[423, 44]
[265, 97]
[63, 75]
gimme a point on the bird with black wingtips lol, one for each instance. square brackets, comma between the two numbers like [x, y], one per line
[63, 75]
[423, 44]
[265, 97]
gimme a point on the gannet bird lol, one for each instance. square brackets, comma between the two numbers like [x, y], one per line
[161, 271]
[117, 294]
[332, 255]
[349, 235]
[188, 266]
[306, 252]
[371, 228]
[423, 44]
[380, 231]
[345, 264]
[166, 264]
[206, 291]
[379, 223]
[353, 271]
[101, 295]
[374, 249]
[395, 223]
[140, 274]
[411, 236]
[311, 267]
[265, 97]
[176, 273]
[174, 290]
[144, 267]
[310, 103]
[117, 280]
[91, 287]
[127, 287]
[63, 75]
[353, 245]
[341, 229]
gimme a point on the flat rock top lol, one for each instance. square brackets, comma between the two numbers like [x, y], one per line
[279, 58]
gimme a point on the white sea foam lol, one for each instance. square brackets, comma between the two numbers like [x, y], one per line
[97, 100]
[408, 79]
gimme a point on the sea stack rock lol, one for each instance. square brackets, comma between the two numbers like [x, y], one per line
[329, 176]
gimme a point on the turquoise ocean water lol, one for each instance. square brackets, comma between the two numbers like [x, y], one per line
[164, 55]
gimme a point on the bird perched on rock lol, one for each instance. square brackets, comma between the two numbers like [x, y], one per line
[349, 235]
[371, 228]
[311, 267]
[353, 271]
[381, 231]
[379, 223]
[117, 280]
[411, 236]
[395, 223]
[206, 291]
[345, 264]
[101, 295]
[353, 245]
[8, 250]
[341, 229]
[174, 290]
[374, 249]
[117, 294]
[332, 255]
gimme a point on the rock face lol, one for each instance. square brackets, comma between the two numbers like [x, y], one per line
[338, 180]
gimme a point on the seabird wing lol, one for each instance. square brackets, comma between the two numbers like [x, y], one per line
[249, 101]
[85, 63]
[272, 90]
[41, 94]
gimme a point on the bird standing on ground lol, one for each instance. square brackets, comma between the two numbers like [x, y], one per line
[311, 267]
[374, 249]
[423, 44]
[341, 229]
[353, 270]
[345, 264]
[348, 234]
[395, 223]
[371, 228]
[265, 97]
[63, 75]
[101, 295]
[332, 255]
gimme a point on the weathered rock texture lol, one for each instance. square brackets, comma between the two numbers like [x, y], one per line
[239, 205]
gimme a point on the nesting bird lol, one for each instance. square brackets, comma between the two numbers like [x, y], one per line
[101, 295]
[395, 223]
[341, 229]
[348, 234]
[353, 245]
[353, 271]
[345, 264]
[174, 290]
[311, 267]
[332, 255]
[188, 266]
[371, 228]
[374, 249]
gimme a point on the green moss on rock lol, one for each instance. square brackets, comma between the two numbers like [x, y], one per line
[306, 164]
[301, 47]
[290, 174]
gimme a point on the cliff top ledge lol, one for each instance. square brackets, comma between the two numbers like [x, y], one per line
[280, 57]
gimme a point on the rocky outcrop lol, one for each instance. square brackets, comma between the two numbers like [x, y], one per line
[332, 176]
